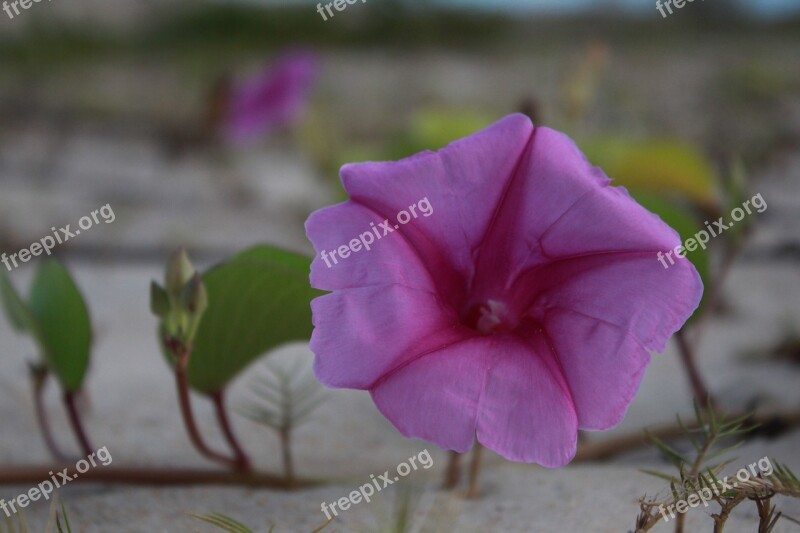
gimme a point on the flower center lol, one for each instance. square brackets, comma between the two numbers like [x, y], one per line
[489, 317]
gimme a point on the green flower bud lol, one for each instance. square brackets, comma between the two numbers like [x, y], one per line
[159, 300]
[179, 273]
[194, 298]
[194, 302]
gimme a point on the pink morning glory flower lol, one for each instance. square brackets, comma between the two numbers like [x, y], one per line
[271, 99]
[523, 309]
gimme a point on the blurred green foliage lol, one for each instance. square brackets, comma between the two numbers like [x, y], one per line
[258, 300]
[57, 318]
[216, 33]
[665, 167]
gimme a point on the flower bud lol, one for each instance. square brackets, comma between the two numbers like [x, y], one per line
[159, 300]
[193, 304]
[194, 298]
[179, 273]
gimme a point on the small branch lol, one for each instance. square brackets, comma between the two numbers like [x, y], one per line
[680, 522]
[453, 473]
[597, 451]
[242, 461]
[715, 293]
[185, 401]
[77, 424]
[39, 385]
[766, 515]
[474, 470]
[152, 477]
[701, 393]
[721, 518]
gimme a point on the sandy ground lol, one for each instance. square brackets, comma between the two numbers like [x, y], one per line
[161, 204]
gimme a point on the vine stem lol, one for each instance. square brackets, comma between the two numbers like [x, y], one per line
[605, 449]
[39, 385]
[453, 473]
[474, 470]
[182, 381]
[77, 424]
[152, 477]
[699, 388]
[241, 459]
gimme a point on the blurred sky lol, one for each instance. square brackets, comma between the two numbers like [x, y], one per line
[772, 8]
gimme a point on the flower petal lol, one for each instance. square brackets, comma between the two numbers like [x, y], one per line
[272, 98]
[362, 334]
[436, 397]
[607, 220]
[601, 362]
[628, 289]
[526, 413]
[464, 183]
[559, 205]
[389, 260]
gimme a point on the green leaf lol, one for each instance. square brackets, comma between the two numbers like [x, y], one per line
[17, 312]
[665, 167]
[65, 334]
[434, 128]
[258, 301]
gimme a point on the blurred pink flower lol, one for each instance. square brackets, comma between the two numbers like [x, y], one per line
[522, 310]
[274, 98]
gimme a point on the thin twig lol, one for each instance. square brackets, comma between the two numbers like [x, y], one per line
[606, 449]
[39, 385]
[453, 473]
[474, 470]
[185, 401]
[699, 388]
[715, 293]
[152, 477]
[242, 461]
[77, 424]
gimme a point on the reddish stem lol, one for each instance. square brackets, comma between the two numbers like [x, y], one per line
[474, 470]
[39, 384]
[242, 461]
[701, 393]
[185, 401]
[453, 474]
[77, 424]
[30, 475]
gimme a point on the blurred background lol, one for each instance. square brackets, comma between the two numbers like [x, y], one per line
[218, 125]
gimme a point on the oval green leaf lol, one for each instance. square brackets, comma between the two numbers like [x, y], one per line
[258, 300]
[64, 329]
